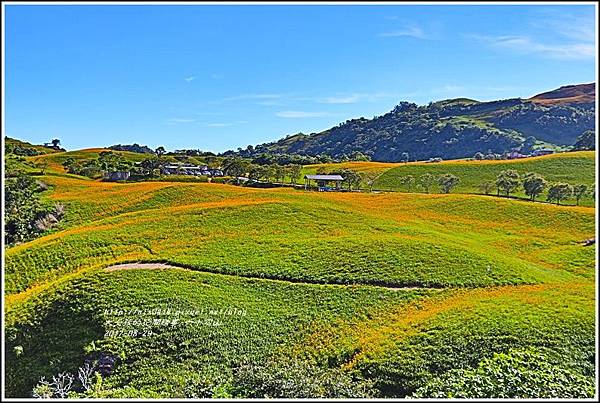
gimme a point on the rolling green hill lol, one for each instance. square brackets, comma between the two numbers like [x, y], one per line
[573, 167]
[282, 292]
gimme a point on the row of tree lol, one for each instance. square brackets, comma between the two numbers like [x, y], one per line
[534, 185]
[446, 182]
[507, 182]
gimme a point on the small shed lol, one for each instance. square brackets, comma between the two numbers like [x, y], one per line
[323, 181]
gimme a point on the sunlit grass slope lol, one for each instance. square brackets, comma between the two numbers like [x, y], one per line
[572, 167]
[398, 339]
[498, 274]
[389, 239]
[277, 315]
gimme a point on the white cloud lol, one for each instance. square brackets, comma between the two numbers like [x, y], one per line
[350, 99]
[301, 114]
[219, 124]
[180, 120]
[252, 96]
[527, 45]
[413, 31]
[190, 79]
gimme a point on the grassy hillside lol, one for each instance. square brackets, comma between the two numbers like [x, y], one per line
[351, 294]
[573, 167]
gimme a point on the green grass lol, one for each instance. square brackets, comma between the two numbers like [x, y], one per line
[277, 315]
[574, 168]
[307, 267]
[407, 240]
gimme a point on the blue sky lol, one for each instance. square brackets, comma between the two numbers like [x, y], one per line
[222, 77]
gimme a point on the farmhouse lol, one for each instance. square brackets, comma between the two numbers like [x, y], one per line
[116, 176]
[181, 169]
[323, 182]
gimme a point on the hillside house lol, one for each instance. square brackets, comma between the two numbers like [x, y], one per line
[182, 169]
[543, 151]
[324, 182]
[116, 176]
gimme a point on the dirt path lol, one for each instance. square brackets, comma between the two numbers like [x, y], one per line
[150, 266]
[129, 266]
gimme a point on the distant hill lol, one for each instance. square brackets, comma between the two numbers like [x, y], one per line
[569, 94]
[454, 128]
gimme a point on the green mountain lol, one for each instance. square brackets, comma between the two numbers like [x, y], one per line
[453, 128]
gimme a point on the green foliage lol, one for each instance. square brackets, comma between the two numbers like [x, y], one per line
[559, 191]
[533, 184]
[426, 180]
[586, 141]
[579, 191]
[447, 182]
[518, 374]
[285, 378]
[571, 167]
[25, 216]
[507, 181]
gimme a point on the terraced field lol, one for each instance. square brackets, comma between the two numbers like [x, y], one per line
[377, 294]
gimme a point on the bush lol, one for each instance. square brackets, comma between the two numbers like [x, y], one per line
[517, 374]
[297, 379]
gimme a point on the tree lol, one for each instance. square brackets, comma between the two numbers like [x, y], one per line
[369, 178]
[55, 143]
[507, 181]
[559, 191]
[486, 187]
[427, 181]
[351, 178]
[533, 184]
[295, 170]
[579, 191]
[235, 167]
[160, 151]
[447, 182]
[586, 141]
[408, 181]
[527, 146]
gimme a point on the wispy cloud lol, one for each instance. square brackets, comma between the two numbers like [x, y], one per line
[349, 99]
[190, 79]
[301, 114]
[219, 124]
[552, 33]
[412, 31]
[528, 45]
[179, 120]
[244, 97]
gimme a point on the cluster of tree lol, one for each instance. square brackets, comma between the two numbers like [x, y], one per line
[107, 161]
[134, 148]
[239, 167]
[25, 215]
[193, 153]
[508, 181]
[22, 150]
[587, 141]
[445, 182]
